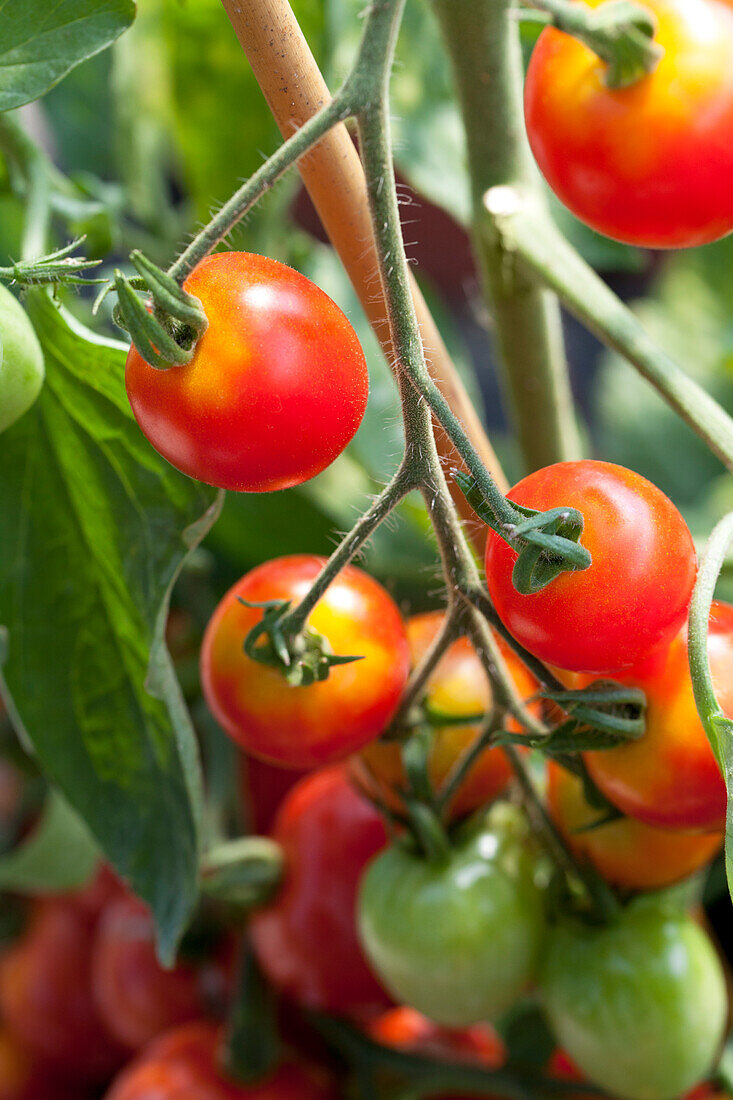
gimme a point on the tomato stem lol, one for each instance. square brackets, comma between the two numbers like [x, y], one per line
[483, 44]
[530, 242]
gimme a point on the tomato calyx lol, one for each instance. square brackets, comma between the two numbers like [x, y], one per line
[54, 268]
[166, 336]
[303, 658]
[620, 32]
[601, 716]
[547, 543]
[245, 872]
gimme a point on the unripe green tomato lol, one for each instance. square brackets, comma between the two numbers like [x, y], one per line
[21, 361]
[457, 939]
[640, 1005]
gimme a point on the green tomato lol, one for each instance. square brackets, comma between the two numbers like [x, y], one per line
[640, 1005]
[21, 361]
[456, 939]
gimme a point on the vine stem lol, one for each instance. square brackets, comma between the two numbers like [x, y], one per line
[530, 242]
[483, 43]
[400, 485]
[333, 175]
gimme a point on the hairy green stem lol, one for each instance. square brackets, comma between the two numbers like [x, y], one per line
[530, 242]
[450, 629]
[400, 485]
[483, 42]
[263, 179]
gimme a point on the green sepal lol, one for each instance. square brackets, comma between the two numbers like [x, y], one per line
[157, 347]
[303, 659]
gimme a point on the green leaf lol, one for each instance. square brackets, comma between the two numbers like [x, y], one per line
[94, 529]
[41, 42]
[60, 853]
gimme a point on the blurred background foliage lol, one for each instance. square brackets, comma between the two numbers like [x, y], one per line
[141, 132]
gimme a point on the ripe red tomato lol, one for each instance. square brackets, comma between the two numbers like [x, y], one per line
[626, 852]
[669, 777]
[306, 939]
[184, 1065]
[46, 996]
[405, 1029]
[276, 388]
[649, 164]
[458, 687]
[633, 597]
[302, 727]
[135, 997]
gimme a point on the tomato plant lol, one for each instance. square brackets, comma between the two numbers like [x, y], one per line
[625, 851]
[634, 596]
[639, 1005]
[645, 164]
[669, 777]
[456, 939]
[301, 727]
[184, 1064]
[458, 688]
[276, 388]
[137, 999]
[306, 940]
[24, 1077]
[21, 361]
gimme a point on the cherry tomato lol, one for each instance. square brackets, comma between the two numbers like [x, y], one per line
[669, 777]
[184, 1065]
[135, 997]
[405, 1029]
[21, 360]
[263, 787]
[276, 388]
[46, 996]
[633, 597]
[306, 939]
[457, 939]
[649, 164]
[458, 687]
[302, 727]
[640, 1004]
[626, 852]
[24, 1077]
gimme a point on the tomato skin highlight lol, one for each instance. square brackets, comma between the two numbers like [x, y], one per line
[304, 727]
[458, 939]
[669, 777]
[640, 1005]
[634, 596]
[458, 686]
[306, 940]
[276, 388]
[626, 852]
[183, 1064]
[136, 998]
[649, 164]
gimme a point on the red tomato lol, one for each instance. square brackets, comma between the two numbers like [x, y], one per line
[263, 787]
[459, 687]
[306, 939]
[669, 777]
[46, 997]
[184, 1065]
[633, 597]
[276, 388]
[302, 727]
[136, 998]
[649, 164]
[626, 852]
[24, 1077]
[405, 1029]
